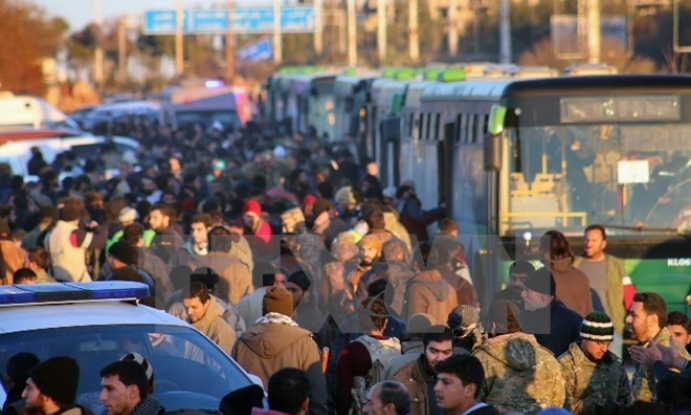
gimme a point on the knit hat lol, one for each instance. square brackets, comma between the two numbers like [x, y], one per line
[420, 323]
[127, 214]
[598, 327]
[144, 364]
[307, 201]
[541, 281]
[69, 213]
[57, 378]
[300, 279]
[320, 206]
[252, 206]
[241, 401]
[345, 196]
[124, 252]
[372, 241]
[277, 300]
[463, 320]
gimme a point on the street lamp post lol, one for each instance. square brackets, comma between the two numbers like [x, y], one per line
[98, 53]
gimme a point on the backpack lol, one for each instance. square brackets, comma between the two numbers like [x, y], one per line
[381, 352]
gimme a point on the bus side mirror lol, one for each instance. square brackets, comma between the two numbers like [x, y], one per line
[493, 142]
[493, 152]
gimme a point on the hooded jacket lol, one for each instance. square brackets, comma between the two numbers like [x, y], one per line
[429, 293]
[554, 326]
[235, 278]
[594, 384]
[265, 348]
[573, 287]
[215, 327]
[520, 375]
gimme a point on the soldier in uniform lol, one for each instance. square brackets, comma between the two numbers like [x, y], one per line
[595, 377]
[520, 375]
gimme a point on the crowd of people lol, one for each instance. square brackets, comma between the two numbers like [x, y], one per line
[287, 253]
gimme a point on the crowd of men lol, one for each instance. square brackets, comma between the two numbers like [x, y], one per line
[287, 253]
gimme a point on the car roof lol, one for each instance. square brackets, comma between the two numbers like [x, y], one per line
[14, 319]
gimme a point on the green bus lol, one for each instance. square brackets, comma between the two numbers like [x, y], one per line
[514, 158]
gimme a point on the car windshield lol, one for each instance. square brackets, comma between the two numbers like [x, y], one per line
[189, 371]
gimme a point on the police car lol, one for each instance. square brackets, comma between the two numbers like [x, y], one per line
[100, 322]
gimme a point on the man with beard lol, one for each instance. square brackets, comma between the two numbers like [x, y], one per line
[52, 388]
[207, 316]
[518, 271]
[370, 250]
[306, 313]
[15, 377]
[595, 378]
[647, 320]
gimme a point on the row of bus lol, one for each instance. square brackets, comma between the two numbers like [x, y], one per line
[514, 152]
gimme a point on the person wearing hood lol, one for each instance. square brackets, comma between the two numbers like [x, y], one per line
[553, 324]
[275, 341]
[287, 394]
[256, 228]
[596, 381]
[15, 377]
[125, 390]
[428, 292]
[207, 316]
[573, 287]
[520, 374]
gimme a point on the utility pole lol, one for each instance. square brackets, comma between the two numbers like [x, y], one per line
[381, 30]
[122, 50]
[230, 52]
[504, 31]
[453, 27]
[594, 31]
[352, 35]
[98, 54]
[318, 26]
[413, 30]
[278, 45]
[179, 59]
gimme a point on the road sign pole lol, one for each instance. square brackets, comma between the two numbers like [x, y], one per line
[352, 35]
[230, 53]
[98, 54]
[413, 29]
[318, 26]
[381, 30]
[453, 27]
[278, 45]
[179, 59]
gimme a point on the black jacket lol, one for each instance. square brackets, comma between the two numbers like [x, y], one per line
[555, 326]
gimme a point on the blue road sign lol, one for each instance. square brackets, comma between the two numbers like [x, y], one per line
[215, 21]
[259, 51]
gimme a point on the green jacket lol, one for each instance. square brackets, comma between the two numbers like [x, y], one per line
[644, 384]
[590, 384]
[520, 375]
[614, 290]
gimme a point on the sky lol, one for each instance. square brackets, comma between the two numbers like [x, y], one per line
[80, 12]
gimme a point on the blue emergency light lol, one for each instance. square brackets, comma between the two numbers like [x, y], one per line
[72, 292]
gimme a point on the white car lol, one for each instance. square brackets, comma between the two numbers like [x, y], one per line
[100, 322]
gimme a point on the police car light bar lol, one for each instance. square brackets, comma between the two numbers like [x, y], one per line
[72, 292]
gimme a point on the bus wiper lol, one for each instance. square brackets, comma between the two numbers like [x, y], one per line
[643, 228]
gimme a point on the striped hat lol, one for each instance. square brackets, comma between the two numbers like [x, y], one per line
[597, 326]
[145, 365]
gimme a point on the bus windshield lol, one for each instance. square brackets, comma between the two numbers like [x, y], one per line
[621, 175]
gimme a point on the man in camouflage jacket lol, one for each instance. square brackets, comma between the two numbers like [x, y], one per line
[520, 375]
[595, 377]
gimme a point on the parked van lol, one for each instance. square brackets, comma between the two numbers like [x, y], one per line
[34, 112]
